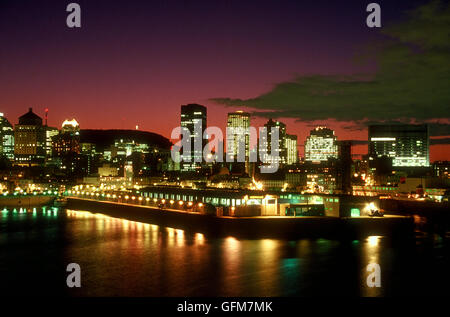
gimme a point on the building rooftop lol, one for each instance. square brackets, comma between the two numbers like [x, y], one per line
[30, 118]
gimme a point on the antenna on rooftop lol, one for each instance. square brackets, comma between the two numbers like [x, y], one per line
[46, 117]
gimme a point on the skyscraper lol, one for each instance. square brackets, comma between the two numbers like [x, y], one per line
[344, 167]
[280, 153]
[50, 133]
[407, 144]
[29, 137]
[321, 145]
[291, 149]
[193, 117]
[68, 140]
[239, 122]
[6, 138]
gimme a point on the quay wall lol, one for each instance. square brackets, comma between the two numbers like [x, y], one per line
[251, 227]
[431, 217]
[25, 201]
[401, 206]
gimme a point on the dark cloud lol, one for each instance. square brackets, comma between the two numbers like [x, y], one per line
[412, 79]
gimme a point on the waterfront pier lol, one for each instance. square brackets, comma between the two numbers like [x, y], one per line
[251, 227]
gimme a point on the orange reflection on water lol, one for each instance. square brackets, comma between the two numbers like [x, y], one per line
[371, 254]
[180, 237]
[268, 265]
[199, 238]
[231, 263]
[372, 249]
[175, 237]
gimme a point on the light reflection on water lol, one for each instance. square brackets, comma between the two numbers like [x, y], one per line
[123, 257]
[371, 255]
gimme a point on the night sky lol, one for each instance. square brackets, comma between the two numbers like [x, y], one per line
[302, 62]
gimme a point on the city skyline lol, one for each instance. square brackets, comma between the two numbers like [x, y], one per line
[301, 154]
[221, 61]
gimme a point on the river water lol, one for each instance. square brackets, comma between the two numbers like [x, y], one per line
[118, 257]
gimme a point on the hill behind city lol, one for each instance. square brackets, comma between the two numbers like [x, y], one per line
[105, 138]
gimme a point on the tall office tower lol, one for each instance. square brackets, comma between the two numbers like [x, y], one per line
[344, 167]
[68, 140]
[29, 137]
[279, 155]
[407, 144]
[291, 149]
[89, 155]
[321, 145]
[239, 122]
[6, 138]
[193, 117]
[50, 133]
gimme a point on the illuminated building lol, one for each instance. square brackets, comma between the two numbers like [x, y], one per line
[291, 149]
[332, 175]
[107, 156]
[66, 147]
[239, 122]
[50, 133]
[441, 169]
[70, 126]
[88, 149]
[406, 144]
[247, 202]
[124, 148]
[280, 154]
[128, 171]
[193, 115]
[68, 140]
[238, 126]
[127, 147]
[174, 165]
[321, 145]
[6, 138]
[320, 178]
[89, 154]
[108, 171]
[29, 137]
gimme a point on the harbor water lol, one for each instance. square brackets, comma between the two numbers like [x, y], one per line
[119, 257]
